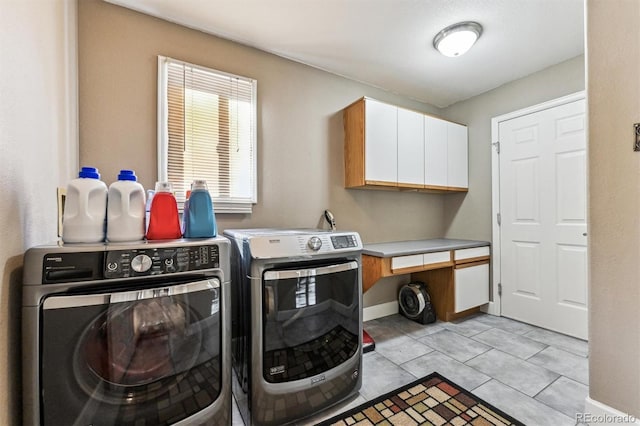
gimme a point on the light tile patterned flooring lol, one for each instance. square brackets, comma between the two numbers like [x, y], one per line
[538, 376]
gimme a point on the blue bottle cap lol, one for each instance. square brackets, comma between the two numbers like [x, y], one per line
[127, 175]
[89, 173]
[199, 184]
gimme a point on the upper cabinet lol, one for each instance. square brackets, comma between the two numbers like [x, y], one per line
[457, 156]
[387, 147]
[410, 148]
[380, 151]
[435, 152]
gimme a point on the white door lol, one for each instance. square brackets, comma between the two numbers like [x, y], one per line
[410, 148]
[543, 242]
[381, 142]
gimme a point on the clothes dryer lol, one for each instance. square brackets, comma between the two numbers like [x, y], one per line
[297, 322]
[127, 334]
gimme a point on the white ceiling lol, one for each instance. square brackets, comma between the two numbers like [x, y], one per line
[388, 43]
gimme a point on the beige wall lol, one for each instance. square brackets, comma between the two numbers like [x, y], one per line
[37, 132]
[613, 46]
[300, 159]
[470, 216]
[300, 135]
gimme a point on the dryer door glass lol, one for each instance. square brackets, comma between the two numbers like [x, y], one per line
[311, 320]
[150, 355]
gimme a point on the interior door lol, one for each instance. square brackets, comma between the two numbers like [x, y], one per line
[543, 218]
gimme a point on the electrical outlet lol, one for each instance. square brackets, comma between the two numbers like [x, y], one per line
[62, 195]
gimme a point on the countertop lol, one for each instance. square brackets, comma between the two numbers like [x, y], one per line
[404, 248]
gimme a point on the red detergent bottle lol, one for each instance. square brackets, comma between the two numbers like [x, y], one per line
[164, 222]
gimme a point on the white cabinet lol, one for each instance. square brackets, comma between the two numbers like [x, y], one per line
[381, 147]
[457, 156]
[471, 286]
[410, 148]
[446, 155]
[471, 254]
[458, 279]
[420, 260]
[389, 147]
[435, 152]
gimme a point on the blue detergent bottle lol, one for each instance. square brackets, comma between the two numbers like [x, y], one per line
[199, 220]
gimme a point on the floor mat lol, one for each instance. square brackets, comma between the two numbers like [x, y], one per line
[432, 400]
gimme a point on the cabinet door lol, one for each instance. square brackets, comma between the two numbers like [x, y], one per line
[471, 287]
[435, 151]
[410, 148]
[457, 156]
[381, 142]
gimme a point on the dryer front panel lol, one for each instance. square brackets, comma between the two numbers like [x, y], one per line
[123, 357]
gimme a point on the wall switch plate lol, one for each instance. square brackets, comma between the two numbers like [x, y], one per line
[636, 144]
[62, 195]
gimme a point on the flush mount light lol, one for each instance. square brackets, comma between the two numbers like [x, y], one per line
[456, 39]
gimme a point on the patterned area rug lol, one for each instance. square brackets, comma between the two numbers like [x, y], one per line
[432, 400]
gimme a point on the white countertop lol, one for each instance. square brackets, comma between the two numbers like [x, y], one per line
[404, 248]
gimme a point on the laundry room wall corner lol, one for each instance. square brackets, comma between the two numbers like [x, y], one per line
[38, 141]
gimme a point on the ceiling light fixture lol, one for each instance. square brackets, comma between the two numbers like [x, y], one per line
[456, 39]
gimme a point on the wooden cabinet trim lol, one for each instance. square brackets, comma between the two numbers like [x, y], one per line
[473, 261]
[394, 186]
[353, 122]
[419, 268]
[381, 183]
[457, 189]
[374, 268]
[440, 285]
[409, 186]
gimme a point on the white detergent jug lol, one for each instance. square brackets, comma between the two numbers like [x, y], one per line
[85, 208]
[126, 210]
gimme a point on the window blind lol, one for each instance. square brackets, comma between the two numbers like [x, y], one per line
[207, 122]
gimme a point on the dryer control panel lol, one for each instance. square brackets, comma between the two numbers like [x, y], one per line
[161, 260]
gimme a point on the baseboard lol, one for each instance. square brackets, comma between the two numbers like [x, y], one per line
[597, 413]
[379, 311]
[491, 308]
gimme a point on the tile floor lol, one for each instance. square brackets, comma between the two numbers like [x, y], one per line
[538, 376]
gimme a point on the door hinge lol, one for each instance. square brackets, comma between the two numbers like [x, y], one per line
[496, 145]
[499, 289]
[499, 219]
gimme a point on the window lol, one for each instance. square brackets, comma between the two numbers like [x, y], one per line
[207, 130]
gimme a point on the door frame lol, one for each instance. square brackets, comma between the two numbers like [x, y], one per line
[495, 306]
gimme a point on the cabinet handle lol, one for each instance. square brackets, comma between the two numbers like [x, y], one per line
[584, 234]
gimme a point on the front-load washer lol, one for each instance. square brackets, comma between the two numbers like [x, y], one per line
[297, 322]
[127, 334]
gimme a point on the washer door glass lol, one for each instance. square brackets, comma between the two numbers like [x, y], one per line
[149, 356]
[311, 320]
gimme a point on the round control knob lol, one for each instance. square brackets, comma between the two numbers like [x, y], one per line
[314, 243]
[141, 263]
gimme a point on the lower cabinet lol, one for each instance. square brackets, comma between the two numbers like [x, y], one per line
[471, 282]
[458, 280]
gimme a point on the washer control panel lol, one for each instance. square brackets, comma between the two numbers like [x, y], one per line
[314, 243]
[162, 260]
[344, 241]
[276, 244]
